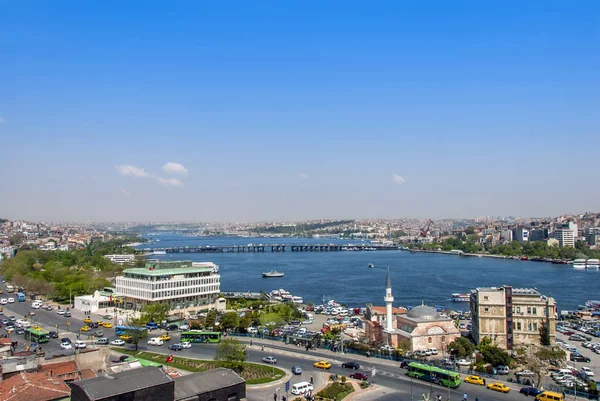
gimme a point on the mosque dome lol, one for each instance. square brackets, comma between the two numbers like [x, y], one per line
[423, 312]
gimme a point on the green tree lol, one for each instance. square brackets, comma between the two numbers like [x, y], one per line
[245, 321]
[231, 354]
[136, 335]
[492, 354]
[552, 355]
[211, 318]
[545, 334]
[461, 347]
[230, 320]
[155, 313]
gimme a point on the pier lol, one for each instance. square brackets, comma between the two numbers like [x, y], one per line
[273, 248]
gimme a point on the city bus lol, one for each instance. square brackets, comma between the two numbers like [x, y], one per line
[20, 297]
[36, 335]
[434, 374]
[121, 330]
[199, 336]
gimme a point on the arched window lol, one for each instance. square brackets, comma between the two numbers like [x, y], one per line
[430, 340]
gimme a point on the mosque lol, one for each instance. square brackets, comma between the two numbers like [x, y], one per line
[422, 325]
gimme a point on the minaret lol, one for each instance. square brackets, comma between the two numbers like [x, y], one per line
[388, 302]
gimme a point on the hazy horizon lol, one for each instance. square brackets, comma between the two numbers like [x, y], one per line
[148, 111]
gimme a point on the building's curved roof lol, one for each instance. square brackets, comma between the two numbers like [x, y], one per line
[423, 312]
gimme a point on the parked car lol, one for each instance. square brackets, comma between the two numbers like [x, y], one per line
[350, 365]
[502, 370]
[530, 391]
[297, 370]
[359, 376]
[587, 371]
[269, 359]
[579, 358]
[463, 362]
[525, 373]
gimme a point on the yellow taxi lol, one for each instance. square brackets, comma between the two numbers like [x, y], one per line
[125, 337]
[165, 337]
[87, 320]
[322, 365]
[475, 380]
[107, 325]
[498, 387]
[85, 328]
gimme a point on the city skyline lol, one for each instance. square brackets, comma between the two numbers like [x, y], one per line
[190, 112]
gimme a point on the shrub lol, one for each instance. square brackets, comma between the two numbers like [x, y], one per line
[343, 379]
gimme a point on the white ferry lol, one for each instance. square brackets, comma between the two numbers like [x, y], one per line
[579, 264]
[456, 297]
[592, 263]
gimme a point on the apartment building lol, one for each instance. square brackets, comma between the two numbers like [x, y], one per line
[181, 284]
[511, 316]
[521, 234]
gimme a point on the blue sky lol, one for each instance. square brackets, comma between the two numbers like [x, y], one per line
[298, 110]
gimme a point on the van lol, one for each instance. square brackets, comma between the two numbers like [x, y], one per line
[549, 396]
[502, 370]
[151, 326]
[155, 341]
[301, 388]
[102, 341]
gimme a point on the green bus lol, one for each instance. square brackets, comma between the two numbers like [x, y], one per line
[434, 374]
[199, 336]
[36, 335]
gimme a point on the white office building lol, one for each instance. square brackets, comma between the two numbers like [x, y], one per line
[182, 284]
[564, 236]
[121, 259]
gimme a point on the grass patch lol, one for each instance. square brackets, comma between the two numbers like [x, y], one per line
[270, 317]
[336, 390]
[251, 372]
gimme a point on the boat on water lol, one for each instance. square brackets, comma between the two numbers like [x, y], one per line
[579, 264]
[370, 265]
[456, 297]
[592, 263]
[272, 274]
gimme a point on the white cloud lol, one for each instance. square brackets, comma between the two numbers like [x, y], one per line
[125, 192]
[397, 179]
[132, 171]
[174, 168]
[170, 182]
[303, 176]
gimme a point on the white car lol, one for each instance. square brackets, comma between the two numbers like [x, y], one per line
[60, 311]
[269, 359]
[525, 373]
[117, 342]
[80, 344]
[3, 301]
[588, 372]
[463, 362]
[66, 346]
[186, 344]
[11, 300]
[155, 341]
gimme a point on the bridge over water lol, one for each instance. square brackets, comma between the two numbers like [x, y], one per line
[272, 248]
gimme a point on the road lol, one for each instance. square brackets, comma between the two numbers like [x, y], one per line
[389, 378]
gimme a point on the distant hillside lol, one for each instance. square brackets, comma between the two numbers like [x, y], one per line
[300, 228]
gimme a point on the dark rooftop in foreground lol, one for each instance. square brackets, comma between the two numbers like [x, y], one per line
[200, 383]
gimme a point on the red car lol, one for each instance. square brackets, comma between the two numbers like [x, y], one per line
[358, 376]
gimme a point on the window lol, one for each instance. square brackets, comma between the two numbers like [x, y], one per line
[535, 327]
[518, 325]
[529, 310]
[518, 309]
[486, 309]
[534, 310]
[485, 297]
[429, 340]
[529, 326]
